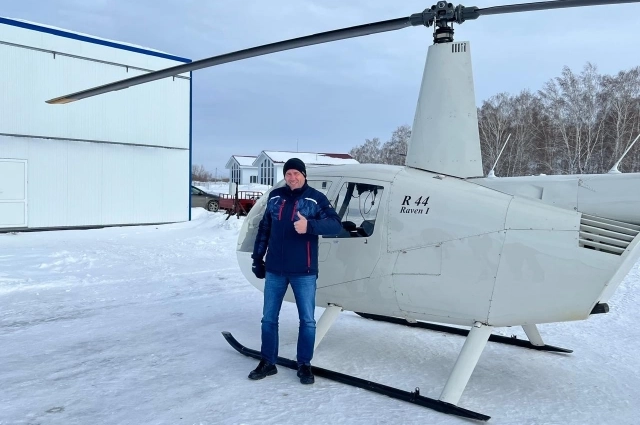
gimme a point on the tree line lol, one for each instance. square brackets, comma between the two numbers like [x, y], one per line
[577, 123]
[200, 174]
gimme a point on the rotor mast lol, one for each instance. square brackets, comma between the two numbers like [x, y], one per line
[446, 101]
[443, 25]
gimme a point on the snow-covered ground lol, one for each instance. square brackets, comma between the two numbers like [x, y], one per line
[123, 326]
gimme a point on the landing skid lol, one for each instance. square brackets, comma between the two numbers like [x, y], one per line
[411, 397]
[465, 332]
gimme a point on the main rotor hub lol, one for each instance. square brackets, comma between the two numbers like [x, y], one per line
[442, 15]
[443, 12]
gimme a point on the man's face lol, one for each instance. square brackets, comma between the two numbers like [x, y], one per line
[294, 178]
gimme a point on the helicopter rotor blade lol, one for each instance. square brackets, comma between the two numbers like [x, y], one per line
[547, 5]
[426, 18]
[319, 38]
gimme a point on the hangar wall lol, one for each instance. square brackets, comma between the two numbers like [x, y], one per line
[119, 158]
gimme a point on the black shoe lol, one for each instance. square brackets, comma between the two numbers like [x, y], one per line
[305, 374]
[263, 370]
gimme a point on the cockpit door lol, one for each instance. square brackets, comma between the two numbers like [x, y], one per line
[353, 253]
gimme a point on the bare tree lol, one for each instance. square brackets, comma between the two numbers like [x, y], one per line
[394, 151]
[526, 130]
[519, 116]
[493, 123]
[200, 174]
[623, 118]
[368, 153]
[575, 105]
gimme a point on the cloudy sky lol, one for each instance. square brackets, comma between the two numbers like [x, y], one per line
[331, 97]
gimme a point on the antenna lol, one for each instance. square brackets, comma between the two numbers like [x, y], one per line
[491, 173]
[614, 169]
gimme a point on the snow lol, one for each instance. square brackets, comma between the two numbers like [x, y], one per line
[244, 161]
[123, 326]
[309, 158]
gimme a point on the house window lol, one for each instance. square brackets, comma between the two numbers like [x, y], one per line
[253, 179]
[235, 173]
[267, 172]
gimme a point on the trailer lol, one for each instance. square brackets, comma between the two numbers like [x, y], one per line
[240, 203]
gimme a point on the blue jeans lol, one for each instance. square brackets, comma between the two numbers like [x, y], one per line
[304, 290]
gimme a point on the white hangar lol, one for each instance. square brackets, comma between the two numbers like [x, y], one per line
[116, 159]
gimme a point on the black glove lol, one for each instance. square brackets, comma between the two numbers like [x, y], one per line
[258, 269]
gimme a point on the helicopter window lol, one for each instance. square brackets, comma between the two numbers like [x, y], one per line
[357, 205]
[320, 185]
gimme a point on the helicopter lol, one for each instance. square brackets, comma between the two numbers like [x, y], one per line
[434, 241]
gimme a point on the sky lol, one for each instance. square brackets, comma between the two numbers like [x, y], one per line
[123, 325]
[331, 97]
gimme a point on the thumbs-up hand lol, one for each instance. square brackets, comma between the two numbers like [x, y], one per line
[301, 224]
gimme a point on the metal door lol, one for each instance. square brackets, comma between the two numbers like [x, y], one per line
[13, 193]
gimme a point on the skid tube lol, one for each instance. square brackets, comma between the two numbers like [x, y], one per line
[411, 397]
[464, 332]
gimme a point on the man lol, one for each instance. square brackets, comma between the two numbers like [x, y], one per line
[288, 233]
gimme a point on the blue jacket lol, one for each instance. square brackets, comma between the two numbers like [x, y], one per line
[291, 253]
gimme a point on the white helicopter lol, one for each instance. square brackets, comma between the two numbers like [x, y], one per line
[435, 241]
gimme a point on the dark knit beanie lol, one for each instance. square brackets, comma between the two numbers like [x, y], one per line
[295, 164]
